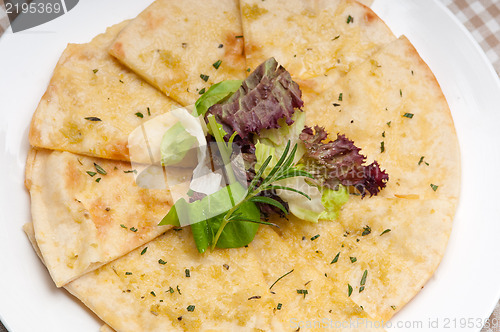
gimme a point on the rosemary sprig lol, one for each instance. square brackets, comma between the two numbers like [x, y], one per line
[283, 169]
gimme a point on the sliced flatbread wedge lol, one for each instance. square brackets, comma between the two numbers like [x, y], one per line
[93, 102]
[304, 296]
[310, 37]
[394, 109]
[403, 243]
[84, 218]
[171, 287]
[184, 47]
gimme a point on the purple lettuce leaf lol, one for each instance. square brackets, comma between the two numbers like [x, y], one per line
[266, 96]
[339, 162]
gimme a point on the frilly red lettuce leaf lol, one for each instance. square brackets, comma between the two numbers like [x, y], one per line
[266, 96]
[339, 162]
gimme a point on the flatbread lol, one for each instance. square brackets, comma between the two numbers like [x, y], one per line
[376, 96]
[171, 44]
[399, 262]
[310, 37]
[89, 85]
[155, 296]
[81, 224]
[326, 305]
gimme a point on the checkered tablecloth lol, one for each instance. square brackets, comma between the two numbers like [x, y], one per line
[482, 19]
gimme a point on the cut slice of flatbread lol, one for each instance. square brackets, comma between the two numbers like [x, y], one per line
[84, 218]
[171, 287]
[304, 295]
[311, 37]
[403, 243]
[184, 47]
[93, 102]
[394, 109]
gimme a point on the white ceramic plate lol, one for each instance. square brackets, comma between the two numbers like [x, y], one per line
[464, 289]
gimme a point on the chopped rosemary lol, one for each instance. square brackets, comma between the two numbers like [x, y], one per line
[98, 180]
[217, 64]
[389, 124]
[279, 306]
[128, 273]
[408, 115]
[204, 77]
[133, 229]
[350, 19]
[386, 231]
[202, 91]
[139, 115]
[434, 187]
[366, 230]
[171, 290]
[353, 259]
[340, 96]
[349, 290]
[91, 173]
[123, 226]
[188, 273]
[302, 291]
[314, 237]
[274, 283]
[335, 259]
[144, 251]
[92, 118]
[153, 293]
[255, 297]
[190, 308]
[382, 147]
[95, 71]
[162, 262]
[363, 281]
[99, 169]
[149, 111]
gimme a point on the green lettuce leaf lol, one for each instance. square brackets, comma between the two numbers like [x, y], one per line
[175, 144]
[216, 94]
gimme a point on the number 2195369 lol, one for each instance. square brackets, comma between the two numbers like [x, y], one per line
[41, 8]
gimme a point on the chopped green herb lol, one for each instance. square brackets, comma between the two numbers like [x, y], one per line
[302, 291]
[382, 147]
[335, 259]
[255, 297]
[349, 19]
[314, 237]
[238, 36]
[383, 134]
[400, 92]
[123, 226]
[274, 283]
[248, 69]
[99, 169]
[421, 160]
[128, 273]
[98, 180]
[179, 290]
[340, 96]
[149, 111]
[393, 307]
[434, 187]
[188, 273]
[363, 278]
[336, 104]
[353, 259]
[279, 306]
[171, 290]
[121, 81]
[389, 124]
[226, 266]
[139, 115]
[349, 290]
[95, 71]
[221, 45]
[144, 251]
[162, 262]
[202, 91]
[133, 229]
[386, 231]
[204, 77]
[131, 171]
[153, 293]
[92, 118]
[190, 307]
[408, 115]
[336, 37]
[217, 64]
[91, 173]
[362, 288]
[366, 230]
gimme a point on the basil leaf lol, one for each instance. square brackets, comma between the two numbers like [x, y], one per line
[217, 93]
